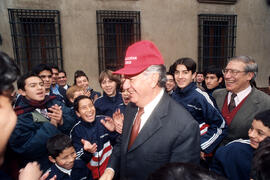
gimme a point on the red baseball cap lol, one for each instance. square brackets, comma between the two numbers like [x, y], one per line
[139, 56]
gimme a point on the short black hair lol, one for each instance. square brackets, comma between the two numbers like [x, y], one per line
[77, 100]
[261, 161]
[41, 67]
[77, 74]
[183, 171]
[58, 143]
[9, 72]
[21, 80]
[264, 117]
[54, 67]
[213, 70]
[62, 71]
[169, 73]
[188, 62]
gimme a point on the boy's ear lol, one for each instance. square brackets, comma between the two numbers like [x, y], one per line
[22, 92]
[194, 75]
[220, 79]
[78, 114]
[52, 159]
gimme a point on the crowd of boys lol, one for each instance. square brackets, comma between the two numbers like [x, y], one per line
[71, 131]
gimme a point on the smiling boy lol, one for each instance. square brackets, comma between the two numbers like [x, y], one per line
[92, 136]
[234, 159]
[39, 118]
[63, 156]
[199, 104]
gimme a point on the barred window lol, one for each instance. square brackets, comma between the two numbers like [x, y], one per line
[217, 36]
[116, 30]
[36, 37]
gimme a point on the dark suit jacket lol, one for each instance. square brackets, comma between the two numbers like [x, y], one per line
[256, 102]
[169, 135]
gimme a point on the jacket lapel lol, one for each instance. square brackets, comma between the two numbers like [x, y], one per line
[153, 124]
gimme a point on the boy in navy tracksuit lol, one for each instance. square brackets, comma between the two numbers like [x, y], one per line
[234, 160]
[92, 136]
[199, 104]
[63, 156]
[112, 99]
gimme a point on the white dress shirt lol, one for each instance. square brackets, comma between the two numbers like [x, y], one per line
[240, 96]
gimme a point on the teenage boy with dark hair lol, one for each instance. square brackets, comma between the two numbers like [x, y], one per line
[234, 160]
[199, 104]
[48, 75]
[63, 156]
[199, 79]
[81, 80]
[170, 83]
[39, 118]
[213, 79]
[62, 79]
[92, 136]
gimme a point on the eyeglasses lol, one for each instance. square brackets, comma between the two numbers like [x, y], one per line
[231, 71]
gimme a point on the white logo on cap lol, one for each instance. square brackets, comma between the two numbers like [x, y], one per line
[128, 62]
[131, 58]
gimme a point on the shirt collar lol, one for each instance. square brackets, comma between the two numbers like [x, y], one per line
[148, 109]
[66, 171]
[240, 96]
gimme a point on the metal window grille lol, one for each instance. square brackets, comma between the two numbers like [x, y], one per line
[217, 36]
[116, 30]
[36, 37]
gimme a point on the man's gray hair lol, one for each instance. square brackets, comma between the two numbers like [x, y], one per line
[251, 65]
[161, 70]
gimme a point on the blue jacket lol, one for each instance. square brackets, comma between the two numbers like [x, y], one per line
[32, 131]
[106, 105]
[202, 108]
[93, 132]
[78, 172]
[234, 160]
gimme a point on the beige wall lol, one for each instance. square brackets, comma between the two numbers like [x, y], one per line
[171, 24]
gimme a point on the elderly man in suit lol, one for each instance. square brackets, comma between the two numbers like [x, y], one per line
[239, 102]
[165, 133]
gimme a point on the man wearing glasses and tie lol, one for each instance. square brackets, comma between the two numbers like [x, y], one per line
[240, 101]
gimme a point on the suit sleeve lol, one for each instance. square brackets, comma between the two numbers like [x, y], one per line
[187, 146]
[114, 161]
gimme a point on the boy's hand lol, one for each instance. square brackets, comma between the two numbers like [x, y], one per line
[118, 119]
[87, 146]
[45, 175]
[107, 175]
[56, 114]
[108, 123]
[87, 93]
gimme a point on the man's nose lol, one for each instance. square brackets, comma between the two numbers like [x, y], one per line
[126, 84]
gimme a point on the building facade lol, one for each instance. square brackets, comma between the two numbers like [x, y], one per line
[92, 35]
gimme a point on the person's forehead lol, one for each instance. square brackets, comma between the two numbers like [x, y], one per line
[67, 151]
[54, 70]
[236, 65]
[81, 78]
[33, 79]
[211, 75]
[62, 74]
[45, 72]
[169, 76]
[181, 67]
[85, 101]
